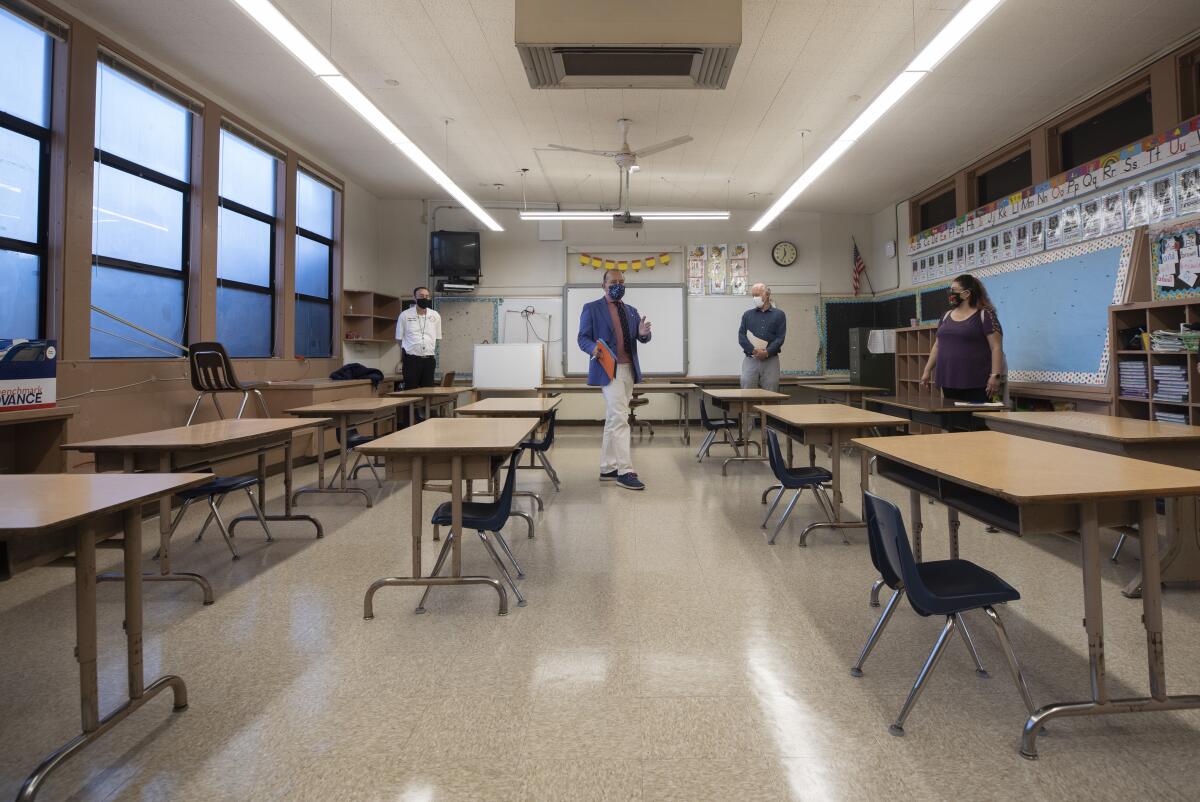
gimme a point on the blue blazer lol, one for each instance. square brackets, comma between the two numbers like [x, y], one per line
[595, 323]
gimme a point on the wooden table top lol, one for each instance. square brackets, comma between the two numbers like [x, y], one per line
[784, 381]
[430, 392]
[454, 436]
[745, 395]
[351, 406]
[27, 415]
[200, 435]
[844, 388]
[1024, 470]
[644, 387]
[829, 416]
[35, 502]
[285, 384]
[510, 407]
[1102, 427]
[932, 406]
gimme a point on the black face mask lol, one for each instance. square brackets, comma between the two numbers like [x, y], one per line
[424, 303]
[955, 299]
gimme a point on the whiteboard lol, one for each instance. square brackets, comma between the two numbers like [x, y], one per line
[543, 324]
[516, 366]
[713, 323]
[664, 305]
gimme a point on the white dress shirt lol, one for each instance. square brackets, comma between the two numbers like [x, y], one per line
[418, 334]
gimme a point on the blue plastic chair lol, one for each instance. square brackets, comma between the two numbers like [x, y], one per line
[798, 479]
[214, 492]
[483, 517]
[945, 587]
[538, 449]
[722, 427]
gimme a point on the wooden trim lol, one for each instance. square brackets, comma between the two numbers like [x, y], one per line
[1097, 104]
[285, 278]
[206, 180]
[1188, 81]
[56, 204]
[335, 279]
[993, 160]
[914, 204]
[1164, 94]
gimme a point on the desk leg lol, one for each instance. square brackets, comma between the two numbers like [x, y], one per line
[343, 426]
[85, 649]
[835, 458]
[952, 525]
[288, 480]
[412, 414]
[417, 578]
[914, 505]
[1181, 560]
[745, 439]
[1094, 623]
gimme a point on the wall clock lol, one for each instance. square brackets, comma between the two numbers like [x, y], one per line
[784, 253]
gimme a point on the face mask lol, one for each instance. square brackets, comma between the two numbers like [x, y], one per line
[759, 301]
[955, 299]
[424, 303]
[616, 291]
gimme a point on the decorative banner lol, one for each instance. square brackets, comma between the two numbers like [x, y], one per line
[1120, 165]
[586, 259]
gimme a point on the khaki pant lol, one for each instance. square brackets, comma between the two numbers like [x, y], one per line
[614, 450]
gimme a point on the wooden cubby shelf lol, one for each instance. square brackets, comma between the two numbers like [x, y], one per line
[1154, 316]
[371, 315]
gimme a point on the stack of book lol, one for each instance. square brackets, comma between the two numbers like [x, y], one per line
[1174, 341]
[1133, 379]
[1170, 383]
[1170, 417]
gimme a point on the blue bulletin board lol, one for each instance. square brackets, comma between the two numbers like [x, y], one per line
[1053, 307]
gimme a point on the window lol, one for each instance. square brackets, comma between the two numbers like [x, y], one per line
[246, 248]
[937, 209]
[25, 70]
[1111, 129]
[1189, 84]
[314, 266]
[140, 206]
[1009, 176]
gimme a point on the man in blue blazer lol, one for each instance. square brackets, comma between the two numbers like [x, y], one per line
[621, 328]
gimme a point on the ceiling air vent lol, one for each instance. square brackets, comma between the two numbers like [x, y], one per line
[666, 44]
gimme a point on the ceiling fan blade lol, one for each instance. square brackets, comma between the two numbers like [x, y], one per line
[605, 153]
[661, 146]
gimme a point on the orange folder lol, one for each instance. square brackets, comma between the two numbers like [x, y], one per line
[607, 359]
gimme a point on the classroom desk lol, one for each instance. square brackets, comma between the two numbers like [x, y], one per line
[345, 413]
[290, 393]
[199, 447]
[44, 517]
[838, 393]
[682, 390]
[1026, 486]
[457, 449]
[736, 381]
[1165, 443]
[509, 408]
[832, 425]
[741, 403]
[434, 396]
[940, 414]
[31, 439]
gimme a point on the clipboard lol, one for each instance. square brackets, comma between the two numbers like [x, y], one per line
[607, 359]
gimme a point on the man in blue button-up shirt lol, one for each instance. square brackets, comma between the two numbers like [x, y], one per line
[761, 337]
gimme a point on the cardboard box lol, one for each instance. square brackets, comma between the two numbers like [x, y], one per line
[28, 374]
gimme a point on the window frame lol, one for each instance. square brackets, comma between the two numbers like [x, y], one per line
[993, 161]
[914, 205]
[1188, 66]
[329, 242]
[103, 157]
[43, 136]
[1081, 113]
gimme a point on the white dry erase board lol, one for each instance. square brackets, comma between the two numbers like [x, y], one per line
[509, 366]
[664, 305]
[714, 320]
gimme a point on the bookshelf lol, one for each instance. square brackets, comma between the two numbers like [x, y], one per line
[1153, 316]
[371, 316]
[913, 345]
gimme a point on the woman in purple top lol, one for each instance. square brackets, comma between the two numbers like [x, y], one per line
[967, 360]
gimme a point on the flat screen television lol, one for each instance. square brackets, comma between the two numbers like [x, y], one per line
[454, 253]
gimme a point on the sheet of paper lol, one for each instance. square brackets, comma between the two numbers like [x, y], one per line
[756, 342]
[1188, 277]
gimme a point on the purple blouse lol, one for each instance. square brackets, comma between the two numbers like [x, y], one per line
[964, 358]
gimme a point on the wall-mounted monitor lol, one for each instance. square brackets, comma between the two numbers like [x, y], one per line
[454, 253]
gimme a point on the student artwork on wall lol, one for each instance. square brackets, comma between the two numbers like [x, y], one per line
[971, 255]
[718, 269]
[695, 269]
[1006, 243]
[1162, 199]
[1070, 224]
[1054, 237]
[1037, 235]
[1188, 183]
[981, 252]
[1021, 240]
[738, 274]
[995, 251]
[1089, 218]
[1137, 212]
[1112, 213]
[1175, 252]
[960, 259]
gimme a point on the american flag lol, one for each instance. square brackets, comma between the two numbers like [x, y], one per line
[859, 267]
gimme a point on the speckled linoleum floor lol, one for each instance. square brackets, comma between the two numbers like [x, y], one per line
[667, 653]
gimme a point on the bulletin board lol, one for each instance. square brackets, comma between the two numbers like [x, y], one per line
[465, 322]
[1182, 239]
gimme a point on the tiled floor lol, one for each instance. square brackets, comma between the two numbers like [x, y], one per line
[667, 653]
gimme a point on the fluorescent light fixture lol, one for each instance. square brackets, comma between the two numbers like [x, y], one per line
[602, 215]
[295, 42]
[581, 215]
[951, 36]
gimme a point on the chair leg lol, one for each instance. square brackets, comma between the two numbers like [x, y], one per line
[1117, 551]
[187, 502]
[242, 406]
[217, 406]
[437, 534]
[1013, 666]
[774, 504]
[961, 625]
[262, 404]
[704, 444]
[893, 603]
[541, 455]
[763, 498]
[258, 511]
[208, 520]
[786, 513]
[212, 505]
[528, 520]
[508, 553]
[503, 571]
[195, 407]
[370, 463]
[537, 500]
[437, 569]
[930, 664]
[876, 586]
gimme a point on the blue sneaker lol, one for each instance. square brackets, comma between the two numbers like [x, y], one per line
[608, 476]
[630, 481]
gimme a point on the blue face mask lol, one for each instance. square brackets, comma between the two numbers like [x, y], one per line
[616, 291]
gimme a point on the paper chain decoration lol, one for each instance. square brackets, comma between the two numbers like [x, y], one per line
[586, 259]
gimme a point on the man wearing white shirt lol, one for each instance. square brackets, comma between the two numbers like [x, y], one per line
[418, 330]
